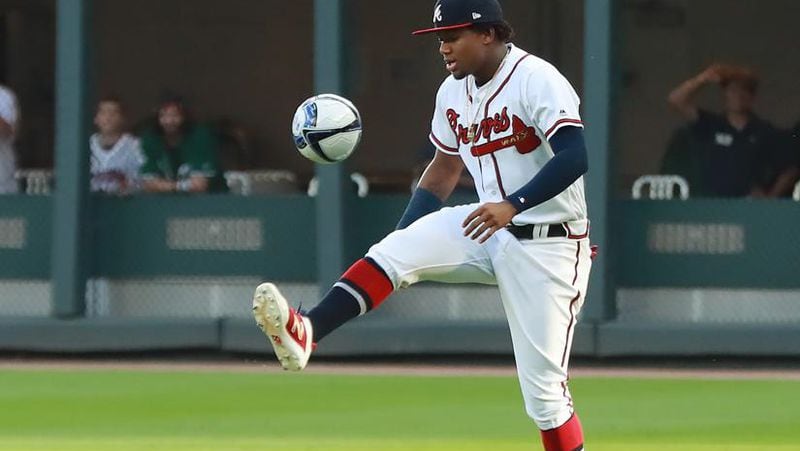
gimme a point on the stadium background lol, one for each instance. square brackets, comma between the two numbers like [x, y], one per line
[84, 275]
[700, 270]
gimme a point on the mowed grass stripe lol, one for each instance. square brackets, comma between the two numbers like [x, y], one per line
[229, 411]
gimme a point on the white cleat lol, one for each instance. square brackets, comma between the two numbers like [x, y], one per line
[289, 332]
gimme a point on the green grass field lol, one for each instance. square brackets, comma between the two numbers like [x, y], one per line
[176, 411]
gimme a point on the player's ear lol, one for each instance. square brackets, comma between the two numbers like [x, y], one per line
[489, 35]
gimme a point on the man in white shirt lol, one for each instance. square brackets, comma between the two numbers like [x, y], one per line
[9, 115]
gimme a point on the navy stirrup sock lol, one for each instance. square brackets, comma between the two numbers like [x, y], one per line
[362, 288]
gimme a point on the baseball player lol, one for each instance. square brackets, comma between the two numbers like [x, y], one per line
[512, 119]
[116, 156]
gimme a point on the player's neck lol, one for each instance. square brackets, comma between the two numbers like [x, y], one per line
[494, 61]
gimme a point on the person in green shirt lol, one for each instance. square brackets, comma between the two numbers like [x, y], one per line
[180, 155]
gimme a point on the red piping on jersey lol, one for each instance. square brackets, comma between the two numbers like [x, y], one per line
[577, 259]
[571, 319]
[559, 122]
[442, 146]
[569, 327]
[502, 85]
[480, 168]
[486, 114]
[497, 174]
[572, 236]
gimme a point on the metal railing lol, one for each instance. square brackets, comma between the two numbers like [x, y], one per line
[662, 187]
[35, 182]
[247, 183]
[361, 182]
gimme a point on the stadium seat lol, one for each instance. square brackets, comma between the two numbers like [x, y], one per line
[361, 182]
[35, 182]
[661, 187]
[248, 183]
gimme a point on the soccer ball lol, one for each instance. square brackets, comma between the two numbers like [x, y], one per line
[326, 128]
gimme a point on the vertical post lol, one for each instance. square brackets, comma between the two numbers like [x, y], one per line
[331, 198]
[599, 111]
[71, 163]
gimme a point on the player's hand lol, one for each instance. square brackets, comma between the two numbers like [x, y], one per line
[488, 219]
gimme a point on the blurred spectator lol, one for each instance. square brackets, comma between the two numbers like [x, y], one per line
[784, 170]
[794, 156]
[235, 147]
[9, 115]
[732, 154]
[682, 158]
[116, 156]
[180, 154]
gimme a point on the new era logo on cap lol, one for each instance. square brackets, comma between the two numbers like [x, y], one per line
[453, 14]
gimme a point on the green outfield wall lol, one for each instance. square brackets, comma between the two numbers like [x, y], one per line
[176, 272]
[698, 243]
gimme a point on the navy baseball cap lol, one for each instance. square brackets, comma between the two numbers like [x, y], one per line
[453, 14]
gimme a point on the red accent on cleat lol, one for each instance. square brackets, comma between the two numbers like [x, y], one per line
[295, 327]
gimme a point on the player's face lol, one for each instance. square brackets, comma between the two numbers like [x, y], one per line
[109, 117]
[738, 99]
[463, 51]
[171, 118]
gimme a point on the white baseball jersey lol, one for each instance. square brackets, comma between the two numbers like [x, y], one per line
[109, 166]
[9, 112]
[511, 118]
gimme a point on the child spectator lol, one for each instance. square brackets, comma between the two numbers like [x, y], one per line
[116, 156]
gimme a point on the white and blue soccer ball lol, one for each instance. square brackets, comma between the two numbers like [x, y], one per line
[326, 128]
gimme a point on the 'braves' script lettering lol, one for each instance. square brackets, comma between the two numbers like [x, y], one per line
[522, 137]
[488, 125]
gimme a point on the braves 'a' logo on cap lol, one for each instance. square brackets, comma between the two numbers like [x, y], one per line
[437, 14]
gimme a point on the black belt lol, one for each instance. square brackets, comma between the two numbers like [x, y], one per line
[525, 232]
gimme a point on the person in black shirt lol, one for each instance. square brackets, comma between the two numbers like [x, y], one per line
[793, 156]
[736, 153]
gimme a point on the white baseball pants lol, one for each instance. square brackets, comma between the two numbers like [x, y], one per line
[542, 285]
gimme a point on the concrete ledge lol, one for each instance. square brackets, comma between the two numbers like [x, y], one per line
[364, 337]
[625, 339]
[107, 334]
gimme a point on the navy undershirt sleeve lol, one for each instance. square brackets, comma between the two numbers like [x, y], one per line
[569, 162]
[422, 202]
